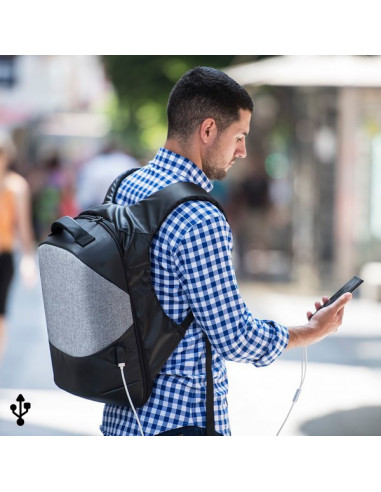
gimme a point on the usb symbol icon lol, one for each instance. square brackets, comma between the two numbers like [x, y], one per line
[20, 399]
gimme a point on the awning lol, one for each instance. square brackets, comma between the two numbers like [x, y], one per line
[339, 71]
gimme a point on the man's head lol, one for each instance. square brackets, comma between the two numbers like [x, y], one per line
[202, 93]
[207, 104]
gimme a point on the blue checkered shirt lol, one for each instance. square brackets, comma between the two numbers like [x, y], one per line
[192, 269]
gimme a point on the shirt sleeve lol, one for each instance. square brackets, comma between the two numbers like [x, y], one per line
[204, 264]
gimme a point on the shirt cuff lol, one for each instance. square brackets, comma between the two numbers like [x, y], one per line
[279, 336]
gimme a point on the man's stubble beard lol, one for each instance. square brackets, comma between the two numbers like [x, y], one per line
[210, 166]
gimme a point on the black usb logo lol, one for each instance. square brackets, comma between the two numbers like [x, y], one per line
[23, 409]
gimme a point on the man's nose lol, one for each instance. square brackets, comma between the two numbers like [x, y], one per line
[241, 150]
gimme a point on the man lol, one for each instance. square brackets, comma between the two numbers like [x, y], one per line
[208, 120]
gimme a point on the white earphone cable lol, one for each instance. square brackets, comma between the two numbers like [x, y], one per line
[298, 391]
[121, 365]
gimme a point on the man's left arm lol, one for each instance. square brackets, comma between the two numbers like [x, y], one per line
[204, 265]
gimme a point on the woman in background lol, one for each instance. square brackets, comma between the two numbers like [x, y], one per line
[15, 224]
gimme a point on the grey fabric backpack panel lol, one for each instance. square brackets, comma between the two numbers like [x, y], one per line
[100, 306]
[91, 313]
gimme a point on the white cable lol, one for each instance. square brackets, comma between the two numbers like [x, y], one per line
[121, 365]
[297, 393]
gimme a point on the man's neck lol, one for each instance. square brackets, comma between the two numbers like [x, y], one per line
[187, 150]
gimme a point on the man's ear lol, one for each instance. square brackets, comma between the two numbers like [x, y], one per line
[208, 130]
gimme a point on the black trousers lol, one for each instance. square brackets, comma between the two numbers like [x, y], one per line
[6, 274]
[186, 431]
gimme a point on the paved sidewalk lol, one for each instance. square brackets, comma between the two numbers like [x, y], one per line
[341, 394]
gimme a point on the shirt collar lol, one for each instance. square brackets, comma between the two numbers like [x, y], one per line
[181, 166]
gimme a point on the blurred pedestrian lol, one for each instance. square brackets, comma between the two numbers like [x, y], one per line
[15, 223]
[52, 194]
[97, 174]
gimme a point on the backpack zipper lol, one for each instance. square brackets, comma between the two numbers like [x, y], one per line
[110, 229]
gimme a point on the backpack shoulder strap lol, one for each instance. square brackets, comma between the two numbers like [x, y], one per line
[110, 196]
[156, 207]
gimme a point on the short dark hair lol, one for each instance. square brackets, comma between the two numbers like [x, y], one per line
[201, 93]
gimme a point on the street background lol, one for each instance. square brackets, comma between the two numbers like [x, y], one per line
[304, 207]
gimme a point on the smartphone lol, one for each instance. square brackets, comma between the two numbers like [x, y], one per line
[350, 286]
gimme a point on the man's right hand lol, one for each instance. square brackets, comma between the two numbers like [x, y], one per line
[321, 324]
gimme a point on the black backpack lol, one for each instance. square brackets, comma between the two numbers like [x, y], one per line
[108, 334]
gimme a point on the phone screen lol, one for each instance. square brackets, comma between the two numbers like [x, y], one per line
[350, 286]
